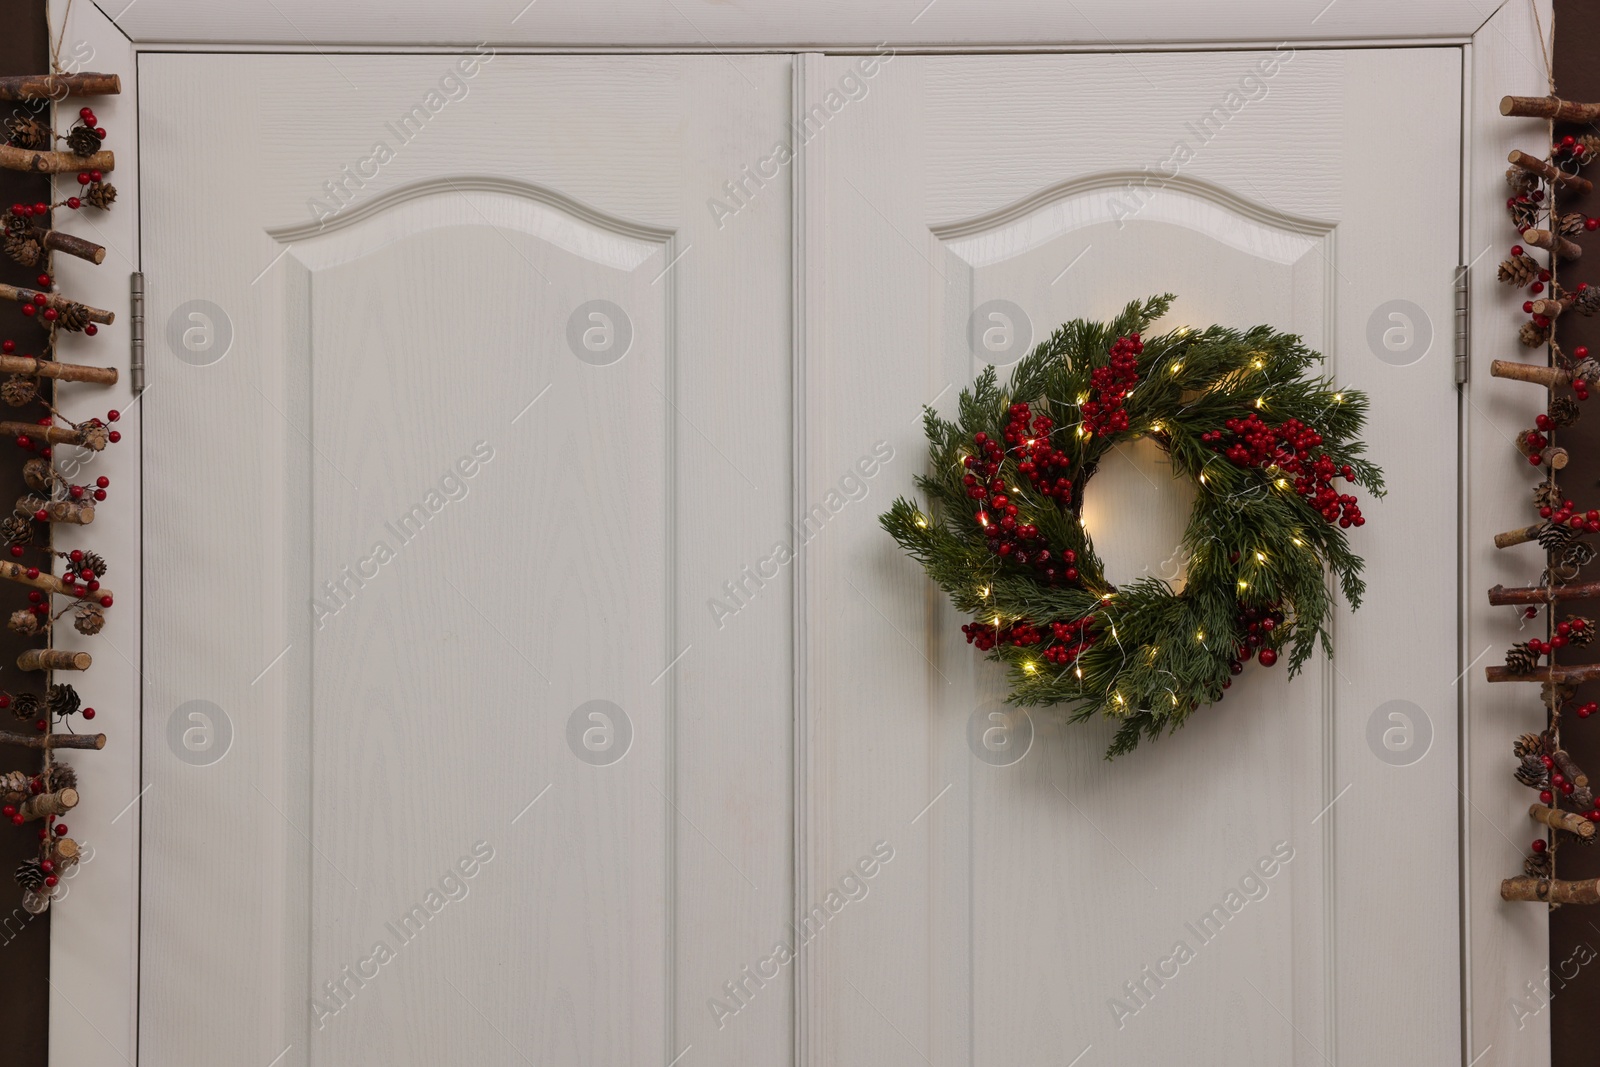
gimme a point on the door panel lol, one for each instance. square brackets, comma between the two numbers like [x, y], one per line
[1035, 907]
[480, 406]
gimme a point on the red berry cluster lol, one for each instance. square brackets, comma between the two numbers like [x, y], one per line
[1110, 385]
[1009, 539]
[1256, 626]
[1045, 467]
[1569, 148]
[1565, 515]
[1580, 387]
[986, 635]
[1251, 442]
[1071, 639]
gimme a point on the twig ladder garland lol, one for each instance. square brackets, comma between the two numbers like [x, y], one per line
[1566, 811]
[39, 570]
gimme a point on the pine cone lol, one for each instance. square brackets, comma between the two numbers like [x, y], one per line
[1524, 213]
[1556, 536]
[30, 875]
[39, 475]
[16, 530]
[1586, 301]
[63, 700]
[13, 784]
[1581, 629]
[26, 131]
[62, 776]
[1532, 773]
[1533, 336]
[88, 561]
[1520, 659]
[1564, 411]
[1519, 270]
[1536, 865]
[18, 390]
[1545, 495]
[1572, 224]
[94, 437]
[88, 620]
[23, 248]
[83, 140]
[1587, 372]
[1521, 182]
[1528, 745]
[23, 622]
[72, 317]
[25, 707]
[100, 194]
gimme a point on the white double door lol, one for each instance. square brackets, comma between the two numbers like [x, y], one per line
[516, 432]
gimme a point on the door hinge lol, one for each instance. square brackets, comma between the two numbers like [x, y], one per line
[1463, 352]
[136, 333]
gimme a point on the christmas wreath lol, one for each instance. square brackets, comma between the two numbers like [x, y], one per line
[1237, 413]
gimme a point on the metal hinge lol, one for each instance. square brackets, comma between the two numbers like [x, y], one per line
[1463, 323]
[136, 314]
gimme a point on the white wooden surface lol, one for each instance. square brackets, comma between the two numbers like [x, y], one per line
[377, 740]
[1508, 950]
[705, 24]
[94, 927]
[1022, 898]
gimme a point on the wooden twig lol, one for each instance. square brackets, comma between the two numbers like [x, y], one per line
[1557, 819]
[1569, 770]
[65, 372]
[1512, 538]
[1548, 171]
[1534, 373]
[91, 437]
[57, 86]
[42, 804]
[1501, 596]
[68, 511]
[53, 741]
[16, 572]
[20, 295]
[1550, 890]
[1553, 242]
[1550, 309]
[54, 162]
[57, 241]
[1548, 107]
[1570, 675]
[53, 659]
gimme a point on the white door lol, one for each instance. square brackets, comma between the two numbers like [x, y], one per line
[485, 562]
[1034, 909]
[467, 403]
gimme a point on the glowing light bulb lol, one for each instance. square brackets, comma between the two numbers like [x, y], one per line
[1176, 367]
[1030, 667]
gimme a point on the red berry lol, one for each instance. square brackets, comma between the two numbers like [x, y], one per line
[94, 175]
[86, 114]
[74, 203]
[61, 829]
[113, 415]
[1546, 797]
[114, 436]
[105, 483]
[1516, 250]
[1538, 844]
[1268, 657]
[100, 132]
[50, 879]
[88, 713]
[29, 310]
[83, 177]
[105, 602]
[99, 494]
[91, 329]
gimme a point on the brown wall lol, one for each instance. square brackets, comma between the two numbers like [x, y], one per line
[24, 940]
[1574, 936]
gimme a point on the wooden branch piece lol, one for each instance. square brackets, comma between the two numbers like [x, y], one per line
[18, 294]
[1546, 107]
[90, 437]
[42, 804]
[57, 241]
[54, 741]
[1548, 171]
[1553, 242]
[69, 511]
[12, 158]
[1557, 819]
[57, 86]
[1501, 596]
[1549, 377]
[1550, 309]
[64, 372]
[1571, 675]
[1512, 538]
[53, 659]
[16, 572]
[1569, 770]
[1551, 891]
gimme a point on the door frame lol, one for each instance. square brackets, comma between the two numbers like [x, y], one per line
[94, 962]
